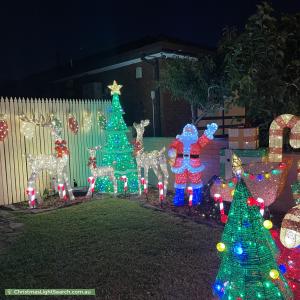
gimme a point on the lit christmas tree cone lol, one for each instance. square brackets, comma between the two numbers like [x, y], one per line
[248, 268]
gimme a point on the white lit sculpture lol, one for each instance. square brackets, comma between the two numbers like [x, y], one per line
[99, 171]
[54, 164]
[155, 160]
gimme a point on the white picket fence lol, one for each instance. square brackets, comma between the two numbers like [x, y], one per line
[14, 171]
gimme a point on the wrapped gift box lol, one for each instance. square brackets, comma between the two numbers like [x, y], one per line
[243, 138]
[247, 156]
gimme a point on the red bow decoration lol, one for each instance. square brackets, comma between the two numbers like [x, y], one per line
[61, 148]
[137, 146]
[92, 162]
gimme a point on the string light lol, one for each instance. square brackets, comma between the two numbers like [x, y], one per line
[27, 129]
[87, 121]
[99, 172]
[3, 127]
[117, 149]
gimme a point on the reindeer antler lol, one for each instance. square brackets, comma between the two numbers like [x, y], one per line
[38, 121]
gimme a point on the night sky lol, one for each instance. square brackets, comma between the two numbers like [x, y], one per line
[34, 36]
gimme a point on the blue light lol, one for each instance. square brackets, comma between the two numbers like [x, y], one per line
[218, 288]
[259, 177]
[238, 249]
[282, 268]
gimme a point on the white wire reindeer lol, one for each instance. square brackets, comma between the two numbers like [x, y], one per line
[54, 164]
[155, 160]
[99, 171]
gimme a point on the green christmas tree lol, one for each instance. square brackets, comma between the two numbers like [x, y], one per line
[248, 267]
[118, 152]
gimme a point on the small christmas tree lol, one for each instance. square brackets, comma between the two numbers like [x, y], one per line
[118, 152]
[248, 253]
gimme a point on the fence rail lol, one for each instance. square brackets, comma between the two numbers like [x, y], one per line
[14, 171]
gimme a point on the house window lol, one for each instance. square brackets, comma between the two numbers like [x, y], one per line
[138, 72]
[92, 90]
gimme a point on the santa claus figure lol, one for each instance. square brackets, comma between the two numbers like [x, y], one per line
[184, 153]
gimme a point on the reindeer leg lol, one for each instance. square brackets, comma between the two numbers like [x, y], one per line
[146, 170]
[115, 184]
[139, 169]
[68, 186]
[31, 191]
[61, 186]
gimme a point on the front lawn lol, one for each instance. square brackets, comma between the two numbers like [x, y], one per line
[116, 246]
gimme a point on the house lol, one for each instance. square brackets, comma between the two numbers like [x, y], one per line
[138, 67]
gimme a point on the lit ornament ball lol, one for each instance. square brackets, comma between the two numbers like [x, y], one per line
[268, 224]
[232, 193]
[238, 249]
[274, 274]
[221, 247]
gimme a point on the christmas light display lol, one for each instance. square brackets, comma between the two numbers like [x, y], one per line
[289, 264]
[118, 150]
[73, 124]
[101, 119]
[248, 267]
[265, 180]
[290, 228]
[87, 121]
[27, 129]
[55, 165]
[276, 135]
[3, 127]
[155, 160]
[185, 153]
[98, 172]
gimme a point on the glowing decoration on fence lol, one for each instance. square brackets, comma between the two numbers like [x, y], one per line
[99, 172]
[27, 129]
[55, 164]
[73, 124]
[87, 121]
[3, 127]
[101, 119]
[117, 148]
[185, 152]
[250, 255]
[290, 228]
[124, 179]
[276, 135]
[155, 160]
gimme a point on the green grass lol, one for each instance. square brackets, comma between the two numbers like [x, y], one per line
[116, 246]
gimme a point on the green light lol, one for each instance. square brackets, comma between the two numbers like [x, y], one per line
[248, 271]
[230, 184]
[275, 172]
[118, 152]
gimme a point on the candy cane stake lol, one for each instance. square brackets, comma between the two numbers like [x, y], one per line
[31, 197]
[143, 182]
[62, 191]
[218, 199]
[161, 191]
[125, 180]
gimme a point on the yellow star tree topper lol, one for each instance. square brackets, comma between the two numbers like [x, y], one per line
[236, 163]
[115, 88]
